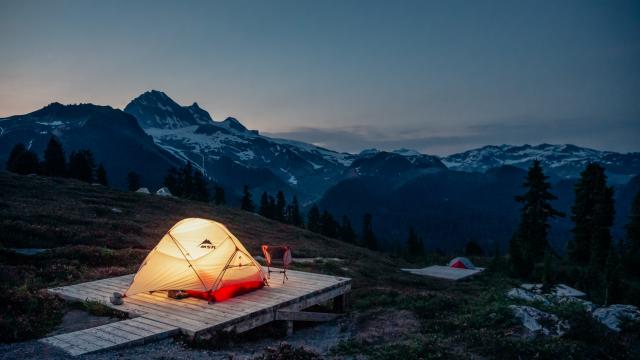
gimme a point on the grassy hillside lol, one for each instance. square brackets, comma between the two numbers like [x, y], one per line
[96, 232]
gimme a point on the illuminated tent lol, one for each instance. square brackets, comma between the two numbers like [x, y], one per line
[201, 257]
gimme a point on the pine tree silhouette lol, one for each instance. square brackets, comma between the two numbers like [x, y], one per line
[54, 163]
[172, 181]
[328, 226]
[592, 215]
[529, 243]
[218, 195]
[22, 161]
[200, 191]
[293, 213]
[368, 237]
[246, 202]
[82, 165]
[101, 175]
[264, 209]
[313, 219]
[280, 207]
[346, 231]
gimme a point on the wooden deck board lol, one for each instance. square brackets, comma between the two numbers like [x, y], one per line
[154, 315]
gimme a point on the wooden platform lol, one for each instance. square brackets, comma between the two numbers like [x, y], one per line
[155, 315]
[445, 272]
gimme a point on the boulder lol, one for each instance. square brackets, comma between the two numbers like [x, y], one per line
[557, 290]
[522, 294]
[612, 316]
[537, 322]
[587, 305]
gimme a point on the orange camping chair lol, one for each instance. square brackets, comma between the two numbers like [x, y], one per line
[277, 255]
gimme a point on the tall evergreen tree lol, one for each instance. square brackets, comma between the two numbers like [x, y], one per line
[186, 181]
[529, 243]
[200, 190]
[313, 219]
[293, 213]
[414, 243]
[133, 181]
[246, 203]
[592, 215]
[55, 163]
[328, 225]
[101, 175]
[172, 181]
[22, 161]
[218, 195]
[82, 165]
[16, 153]
[631, 257]
[280, 208]
[265, 208]
[633, 226]
[368, 237]
[346, 231]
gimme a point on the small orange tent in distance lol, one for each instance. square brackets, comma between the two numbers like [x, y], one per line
[201, 257]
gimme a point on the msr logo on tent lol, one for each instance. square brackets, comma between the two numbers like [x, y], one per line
[206, 244]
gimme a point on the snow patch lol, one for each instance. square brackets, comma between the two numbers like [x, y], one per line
[246, 155]
[52, 123]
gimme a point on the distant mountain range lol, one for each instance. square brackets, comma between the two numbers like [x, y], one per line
[114, 137]
[562, 161]
[450, 199]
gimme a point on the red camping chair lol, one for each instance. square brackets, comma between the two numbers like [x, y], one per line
[277, 255]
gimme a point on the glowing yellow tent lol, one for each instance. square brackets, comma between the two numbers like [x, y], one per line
[201, 257]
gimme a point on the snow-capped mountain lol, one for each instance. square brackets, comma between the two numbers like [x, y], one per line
[191, 134]
[114, 137]
[563, 161]
[400, 164]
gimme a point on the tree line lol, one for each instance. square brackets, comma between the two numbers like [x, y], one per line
[321, 222]
[80, 164]
[597, 264]
[188, 182]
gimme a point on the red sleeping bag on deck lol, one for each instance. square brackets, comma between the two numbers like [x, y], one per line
[227, 292]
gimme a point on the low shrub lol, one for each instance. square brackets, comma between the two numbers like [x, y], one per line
[28, 314]
[288, 352]
[97, 308]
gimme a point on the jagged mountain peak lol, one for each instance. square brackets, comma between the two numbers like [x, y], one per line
[233, 123]
[155, 109]
[407, 152]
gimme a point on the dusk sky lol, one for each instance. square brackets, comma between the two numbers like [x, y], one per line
[436, 76]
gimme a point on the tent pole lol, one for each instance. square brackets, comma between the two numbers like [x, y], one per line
[188, 262]
[224, 270]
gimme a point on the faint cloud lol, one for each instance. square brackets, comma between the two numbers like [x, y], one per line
[616, 135]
